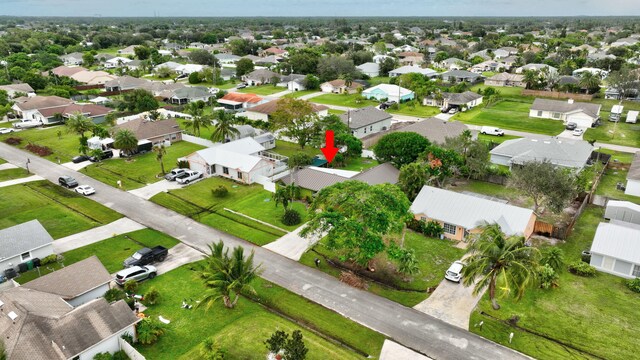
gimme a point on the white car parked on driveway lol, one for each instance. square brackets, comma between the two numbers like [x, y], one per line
[188, 176]
[489, 130]
[26, 123]
[455, 272]
[6, 130]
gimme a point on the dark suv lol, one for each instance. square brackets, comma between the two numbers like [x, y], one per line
[107, 154]
[67, 181]
[571, 126]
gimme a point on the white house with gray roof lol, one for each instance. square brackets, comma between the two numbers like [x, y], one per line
[467, 99]
[366, 121]
[581, 113]
[616, 249]
[633, 177]
[22, 243]
[409, 69]
[560, 152]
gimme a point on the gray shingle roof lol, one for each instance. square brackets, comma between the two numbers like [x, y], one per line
[315, 180]
[592, 110]
[22, 238]
[460, 74]
[436, 130]
[461, 98]
[364, 117]
[561, 152]
[634, 169]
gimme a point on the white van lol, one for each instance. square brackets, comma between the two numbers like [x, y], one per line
[489, 130]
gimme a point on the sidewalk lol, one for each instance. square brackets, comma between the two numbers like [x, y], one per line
[120, 226]
[6, 166]
[78, 166]
[293, 245]
[395, 351]
[179, 255]
[21, 180]
[150, 190]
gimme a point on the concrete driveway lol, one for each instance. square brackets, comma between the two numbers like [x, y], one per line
[451, 303]
[179, 255]
[147, 192]
[568, 134]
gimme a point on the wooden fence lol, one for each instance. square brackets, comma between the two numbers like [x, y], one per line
[557, 95]
[560, 232]
[89, 87]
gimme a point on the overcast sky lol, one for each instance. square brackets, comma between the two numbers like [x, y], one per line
[213, 8]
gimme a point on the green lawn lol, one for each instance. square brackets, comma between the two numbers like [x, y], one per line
[596, 316]
[197, 202]
[511, 115]
[496, 190]
[434, 258]
[111, 252]
[62, 212]
[263, 90]
[607, 185]
[417, 110]
[205, 133]
[227, 85]
[379, 80]
[496, 139]
[336, 112]
[289, 149]
[621, 157]
[505, 91]
[612, 133]
[64, 145]
[139, 170]
[10, 174]
[348, 100]
[297, 94]
[242, 331]
[2, 161]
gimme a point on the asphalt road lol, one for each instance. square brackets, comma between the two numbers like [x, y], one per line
[409, 327]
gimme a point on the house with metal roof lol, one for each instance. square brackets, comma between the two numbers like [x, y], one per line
[457, 76]
[438, 130]
[616, 249]
[389, 92]
[467, 99]
[560, 152]
[622, 211]
[370, 69]
[581, 113]
[409, 69]
[23, 243]
[633, 177]
[366, 121]
[316, 178]
[461, 214]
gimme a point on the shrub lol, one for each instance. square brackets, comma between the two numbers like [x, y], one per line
[39, 150]
[114, 294]
[13, 141]
[291, 217]
[120, 355]
[220, 192]
[152, 296]
[432, 229]
[103, 356]
[182, 164]
[582, 269]
[548, 277]
[308, 199]
[50, 259]
[131, 302]
[554, 257]
[127, 337]
[131, 286]
[634, 285]
[149, 330]
[194, 78]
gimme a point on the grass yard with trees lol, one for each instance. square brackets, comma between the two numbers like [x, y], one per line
[63, 144]
[263, 90]
[348, 100]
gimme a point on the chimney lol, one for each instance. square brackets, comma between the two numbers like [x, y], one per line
[570, 101]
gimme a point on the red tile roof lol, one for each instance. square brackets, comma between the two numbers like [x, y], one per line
[243, 98]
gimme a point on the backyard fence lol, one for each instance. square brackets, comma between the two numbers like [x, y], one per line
[561, 232]
[89, 87]
[557, 95]
[131, 352]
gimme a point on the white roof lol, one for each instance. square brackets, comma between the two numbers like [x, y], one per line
[237, 155]
[623, 204]
[470, 211]
[99, 99]
[190, 68]
[617, 239]
[617, 109]
[632, 115]
[117, 59]
[414, 69]
[344, 173]
[389, 89]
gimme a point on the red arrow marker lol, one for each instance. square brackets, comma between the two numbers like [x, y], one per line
[329, 150]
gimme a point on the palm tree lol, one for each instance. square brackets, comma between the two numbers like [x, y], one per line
[160, 151]
[80, 125]
[225, 277]
[211, 350]
[193, 109]
[531, 79]
[126, 141]
[589, 81]
[197, 123]
[223, 128]
[499, 261]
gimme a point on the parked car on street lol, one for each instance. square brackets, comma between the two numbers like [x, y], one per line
[80, 158]
[171, 175]
[67, 181]
[571, 126]
[107, 154]
[578, 132]
[455, 272]
[489, 130]
[137, 273]
[241, 86]
[26, 124]
[6, 130]
[188, 176]
[85, 190]
[146, 256]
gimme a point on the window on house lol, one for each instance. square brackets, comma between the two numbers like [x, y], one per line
[239, 175]
[25, 256]
[555, 115]
[449, 229]
[539, 113]
[225, 170]
[423, 218]
[365, 130]
[174, 136]
[636, 271]
[370, 128]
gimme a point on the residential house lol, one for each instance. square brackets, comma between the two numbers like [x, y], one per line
[509, 61]
[129, 50]
[260, 77]
[489, 65]
[508, 50]
[227, 59]
[268, 61]
[623, 211]
[65, 70]
[616, 249]
[405, 48]
[77, 284]
[317, 178]
[628, 41]
[22, 243]
[293, 82]
[453, 64]
[133, 65]
[537, 67]
[263, 111]
[116, 62]
[506, 79]
[189, 94]
[485, 54]
[14, 90]
[30, 108]
[154, 131]
[465, 100]
[457, 76]
[583, 114]
[437, 130]
[461, 214]
[370, 69]
[366, 121]
[408, 69]
[74, 58]
[37, 324]
[567, 153]
[410, 58]
[238, 101]
[187, 69]
[103, 57]
[243, 160]
[595, 71]
[274, 51]
[389, 92]
[633, 177]
[126, 83]
[339, 86]
[90, 77]
[171, 65]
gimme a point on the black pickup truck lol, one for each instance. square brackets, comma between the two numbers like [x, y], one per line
[146, 256]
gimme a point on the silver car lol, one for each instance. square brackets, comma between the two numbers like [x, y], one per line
[137, 273]
[455, 272]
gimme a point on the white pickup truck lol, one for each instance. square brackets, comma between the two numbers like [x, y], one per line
[26, 124]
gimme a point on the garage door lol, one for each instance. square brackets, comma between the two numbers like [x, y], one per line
[583, 120]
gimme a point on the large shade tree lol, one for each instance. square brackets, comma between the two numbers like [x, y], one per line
[356, 217]
[400, 148]
[297, 119]
[545, 183]
[501, 263]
